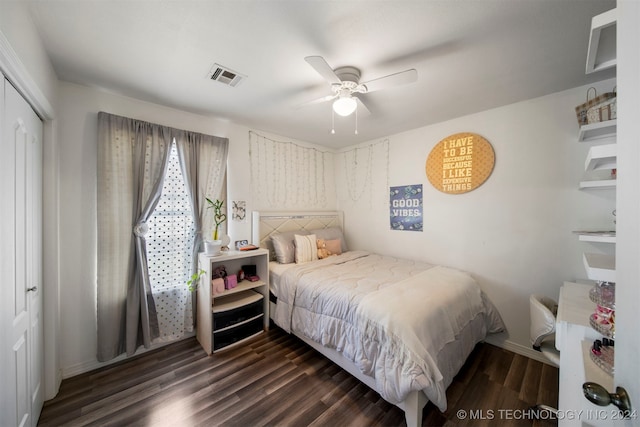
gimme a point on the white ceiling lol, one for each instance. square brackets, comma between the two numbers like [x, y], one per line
[471, 55]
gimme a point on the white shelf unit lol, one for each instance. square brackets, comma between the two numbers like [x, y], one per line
[602, 184]
[600, 267]
[601, 157]
[598, 130]
[597, 237]
[574, 334]
[232, 301]
[602, 42]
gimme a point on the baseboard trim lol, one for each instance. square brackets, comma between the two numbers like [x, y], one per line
[518, 349]
[90, 365]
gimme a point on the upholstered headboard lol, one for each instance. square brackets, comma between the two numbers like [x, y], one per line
[267, 223]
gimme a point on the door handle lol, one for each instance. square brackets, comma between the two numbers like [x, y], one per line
[33, 289]
[599, 395]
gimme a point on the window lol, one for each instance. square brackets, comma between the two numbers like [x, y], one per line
[169, 253]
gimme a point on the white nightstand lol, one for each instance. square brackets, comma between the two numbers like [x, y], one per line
[237, 314]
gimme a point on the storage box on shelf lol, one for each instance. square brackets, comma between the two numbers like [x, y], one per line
[237, 314]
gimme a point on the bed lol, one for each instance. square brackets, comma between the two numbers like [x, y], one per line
[403, 327]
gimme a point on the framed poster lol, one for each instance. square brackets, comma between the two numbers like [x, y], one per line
[460, 163]
[239, 211]
[405, 207]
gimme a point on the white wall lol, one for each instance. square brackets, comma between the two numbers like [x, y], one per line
[514, 233]
[243, 185]
[77, 133]
[34, 75]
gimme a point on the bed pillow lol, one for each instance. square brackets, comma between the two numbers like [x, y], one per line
[284, 245]
[331, 233]
[306, 248]
[333, 246]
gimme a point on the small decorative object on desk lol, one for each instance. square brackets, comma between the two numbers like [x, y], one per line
[604, 294]
[230, 282]
[217, 286]
[604, 321]
[249, 270]
[219, 272]
[241, 243]
[602, 354]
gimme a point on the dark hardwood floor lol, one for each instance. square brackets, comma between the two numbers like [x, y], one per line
[277, 380]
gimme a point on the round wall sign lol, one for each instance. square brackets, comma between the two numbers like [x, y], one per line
[460, 163]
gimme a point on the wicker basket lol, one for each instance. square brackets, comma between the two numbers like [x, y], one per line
[598, 109]
[606, 110]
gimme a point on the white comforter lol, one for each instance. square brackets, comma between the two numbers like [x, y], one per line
[391, 317]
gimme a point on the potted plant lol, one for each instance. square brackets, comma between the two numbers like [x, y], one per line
[192, 283]
[213, 247]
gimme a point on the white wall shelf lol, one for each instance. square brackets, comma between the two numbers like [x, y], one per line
[598, 130]
[602, 42]
[601, 157]
[602, 184]
[600, 267]
[597, 236]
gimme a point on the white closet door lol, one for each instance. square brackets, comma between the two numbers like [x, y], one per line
[21, 359]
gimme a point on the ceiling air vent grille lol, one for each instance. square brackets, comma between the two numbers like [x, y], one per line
[225, 75]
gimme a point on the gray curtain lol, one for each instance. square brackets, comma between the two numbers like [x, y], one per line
[204, 160]
[132, 160]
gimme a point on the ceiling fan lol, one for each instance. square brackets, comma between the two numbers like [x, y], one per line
[345, 84]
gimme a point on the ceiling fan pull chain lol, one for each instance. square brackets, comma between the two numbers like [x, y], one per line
[356, 119]
[333, 122]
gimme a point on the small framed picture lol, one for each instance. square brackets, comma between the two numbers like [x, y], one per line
[239, 210]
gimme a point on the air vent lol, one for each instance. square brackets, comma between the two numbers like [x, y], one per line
[225, 75]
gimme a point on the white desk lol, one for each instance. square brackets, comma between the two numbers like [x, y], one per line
[574, 337]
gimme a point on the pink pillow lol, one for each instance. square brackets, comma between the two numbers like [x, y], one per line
[333, 246]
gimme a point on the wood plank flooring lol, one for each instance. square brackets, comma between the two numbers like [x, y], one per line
[277, 380]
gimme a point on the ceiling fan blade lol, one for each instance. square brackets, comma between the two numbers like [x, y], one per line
[362, 108]
[397, 79]
[320, 65]
[318, 101]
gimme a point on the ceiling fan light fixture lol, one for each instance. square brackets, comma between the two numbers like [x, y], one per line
[344, 106]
